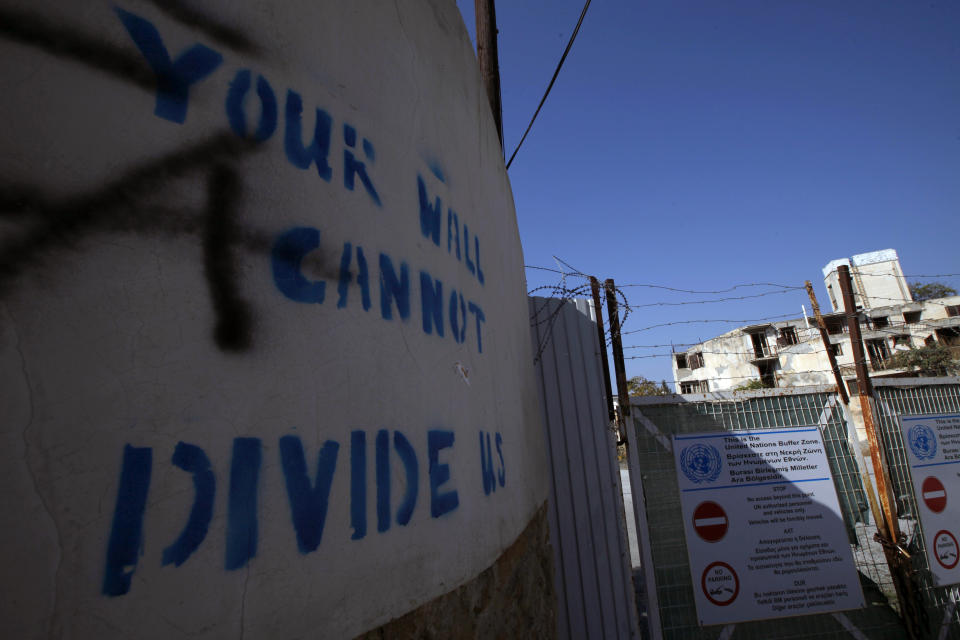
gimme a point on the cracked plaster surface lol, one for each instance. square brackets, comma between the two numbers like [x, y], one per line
[31, 536]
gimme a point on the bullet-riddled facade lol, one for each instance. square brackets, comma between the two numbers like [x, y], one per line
[791, 353]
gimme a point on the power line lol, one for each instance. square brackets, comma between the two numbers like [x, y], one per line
[734, 287]
[740, 321]
[573, 37]
[904, 277]
[677, 304]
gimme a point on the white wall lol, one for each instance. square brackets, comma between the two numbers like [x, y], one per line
[182, 320]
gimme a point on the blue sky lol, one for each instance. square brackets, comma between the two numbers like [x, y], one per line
[702, 144]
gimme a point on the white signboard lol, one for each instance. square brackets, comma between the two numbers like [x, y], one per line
[933, 446]
[764, 531]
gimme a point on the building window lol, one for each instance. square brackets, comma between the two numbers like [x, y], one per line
[949, 337]
[833, 298]
[788, 336]
[880, 322]
[953, 311]
[760, 347]
[911, 317]
[835, 325]
[836, 349]
[767, 376]
[695, 360]
[697, 386]
[902, 341]
[681, 361]
[878, 352]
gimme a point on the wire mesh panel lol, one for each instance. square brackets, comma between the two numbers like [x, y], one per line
[656, 420]
[896, 398]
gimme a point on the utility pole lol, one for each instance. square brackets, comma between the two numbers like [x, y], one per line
[595, 289]
[618, 366]
[841, 387]
[487, 56]
[898, 560]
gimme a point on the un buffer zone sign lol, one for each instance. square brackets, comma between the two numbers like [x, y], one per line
[933, 446]
[764, 531]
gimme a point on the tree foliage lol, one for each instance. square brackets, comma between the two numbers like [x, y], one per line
[756, 383]
[930, 291]
[930, 360]
[640, 386]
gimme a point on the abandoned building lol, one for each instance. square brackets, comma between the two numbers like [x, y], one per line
[791, 353]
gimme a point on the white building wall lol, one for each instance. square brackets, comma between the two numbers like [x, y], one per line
[877, 280]
[219, 418]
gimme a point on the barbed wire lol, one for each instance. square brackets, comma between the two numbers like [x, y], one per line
[561, 293]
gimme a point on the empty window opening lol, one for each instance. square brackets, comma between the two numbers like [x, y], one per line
[695, 360]
[949, 337]
[681, 361]
[902, 342]
[767, 376]
[835, 325]
[788, 336]
[878, 352]
[836, 349]
[880, 322]
[697, 386]
[953, 311]
[911, 317]
[760, 347]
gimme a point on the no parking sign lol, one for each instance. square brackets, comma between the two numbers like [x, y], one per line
[933, 452]
[764, 533]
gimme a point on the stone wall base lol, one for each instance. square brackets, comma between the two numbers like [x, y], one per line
[514, 598]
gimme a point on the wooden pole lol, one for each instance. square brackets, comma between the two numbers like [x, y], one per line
[841, 387]
[595, 289]
[888, 527]
[617, 347]
[487, 56]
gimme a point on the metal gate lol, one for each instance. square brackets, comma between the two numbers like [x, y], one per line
[913, 396]
[657, 503]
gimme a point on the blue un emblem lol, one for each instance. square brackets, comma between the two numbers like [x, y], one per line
[923, 442]
[700, 463]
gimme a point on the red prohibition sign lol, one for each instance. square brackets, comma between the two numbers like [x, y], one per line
[934, 494]
[720, 583]
[710, 521]
[945, 549]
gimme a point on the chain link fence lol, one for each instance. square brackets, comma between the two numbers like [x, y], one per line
[656, 419]
[905, 397]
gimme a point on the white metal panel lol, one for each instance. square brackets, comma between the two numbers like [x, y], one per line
[592, 558]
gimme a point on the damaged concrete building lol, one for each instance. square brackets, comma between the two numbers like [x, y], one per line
[791, 353]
